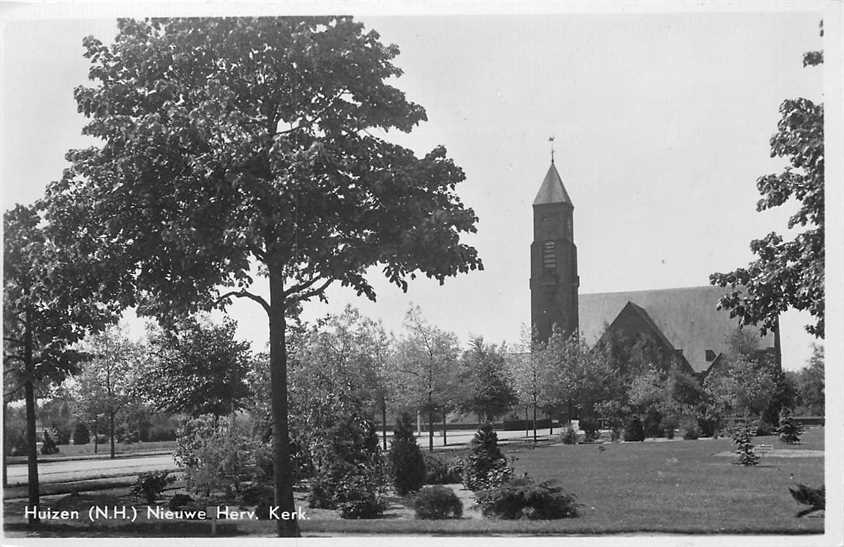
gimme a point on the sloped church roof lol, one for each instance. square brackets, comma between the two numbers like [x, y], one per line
[552, 189]
[688, 317]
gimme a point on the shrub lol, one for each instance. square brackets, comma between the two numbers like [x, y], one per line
[49, 446]
[689, 428]
[407, 463]
[179, 501]
[634, 431]
[615, 434]
[764, 427]
[590, 429]
[437, 502]
[652, 424]
[262, 497]
[358, 500]
[349, 470]
[744, 446]
[439, 471]
[486, 467]
[522, 498]
[789, 429]
[214, 456]
[669, 425]
[570, 436]
[158, 433]
[81, 434]
[150, 485]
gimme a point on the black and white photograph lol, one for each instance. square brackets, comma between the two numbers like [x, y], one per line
[555, 272]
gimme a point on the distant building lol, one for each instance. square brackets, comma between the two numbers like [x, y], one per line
[685, 322]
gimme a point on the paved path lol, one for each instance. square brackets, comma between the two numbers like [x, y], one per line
[72, 470]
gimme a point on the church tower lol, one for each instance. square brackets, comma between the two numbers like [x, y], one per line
[553, 259]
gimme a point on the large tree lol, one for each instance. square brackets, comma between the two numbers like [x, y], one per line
[788, 273]
[52, 297]
[237, 148]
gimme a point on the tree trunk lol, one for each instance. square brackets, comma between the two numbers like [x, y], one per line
[6, 447]
[384, 423]
[278, 382]
[527, 423]
[32, 449]
[431, 430]
[111, 435]
[445, 426]
[550, 423]
[94, 431]
[534, 422]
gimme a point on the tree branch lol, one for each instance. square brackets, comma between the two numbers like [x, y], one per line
[313, 292]
[243, 293]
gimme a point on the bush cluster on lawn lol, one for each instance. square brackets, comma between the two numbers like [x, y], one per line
[634, 431]
[215, 454]
[350, 472]
[150, 485]
[486, 467]
[523, 498]
[570, 436]
[407, 464]
[442, 470]
[437, 502]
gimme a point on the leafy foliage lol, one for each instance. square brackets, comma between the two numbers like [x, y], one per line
[425, 374]
[634, 431]
[407, 464]
[442, 471]
[523, 498]
[570, 436]
[197, 368]
[485, 467]
[484, 377]
[242, 147]
[150, 485]
[215, 455]
[81, 434]
[349, 472]
[787, 273]
[436, 503]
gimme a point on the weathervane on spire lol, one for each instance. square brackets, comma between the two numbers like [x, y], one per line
[551, 140]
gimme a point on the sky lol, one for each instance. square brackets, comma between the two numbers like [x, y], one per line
[661, 126]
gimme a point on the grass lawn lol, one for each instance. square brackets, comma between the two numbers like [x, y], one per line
[671, 487]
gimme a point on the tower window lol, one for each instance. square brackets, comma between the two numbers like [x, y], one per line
[549, 257]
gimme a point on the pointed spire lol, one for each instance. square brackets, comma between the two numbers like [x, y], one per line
[552, 189]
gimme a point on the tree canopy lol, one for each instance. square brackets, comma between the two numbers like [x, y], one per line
[236, 148]
[787, 273]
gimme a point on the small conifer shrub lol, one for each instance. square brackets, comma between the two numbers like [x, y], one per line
[486, 467]
[789, 429]
[523, 498]
[744, 447]
[407, 462]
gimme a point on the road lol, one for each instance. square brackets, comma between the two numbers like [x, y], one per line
[72, 470]
[89, 469]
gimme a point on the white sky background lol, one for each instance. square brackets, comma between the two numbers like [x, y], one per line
[661, 122]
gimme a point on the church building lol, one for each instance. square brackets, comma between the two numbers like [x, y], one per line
[684, 321]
